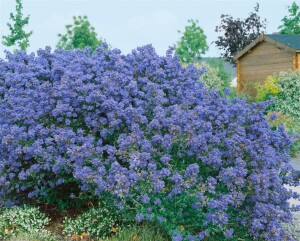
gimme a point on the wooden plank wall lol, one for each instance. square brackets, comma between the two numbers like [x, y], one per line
[239, 84]
[261, 61]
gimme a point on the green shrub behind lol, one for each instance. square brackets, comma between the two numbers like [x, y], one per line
[288, 98]
[225, 76]
[284, 87]
[215, 75]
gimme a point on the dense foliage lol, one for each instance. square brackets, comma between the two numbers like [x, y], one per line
[192, 44]
[225, 76]
[284, 87]
[80, 34]
[142, 128]
[236, 34]
[17, 35]
[287, 100]
[213, 77]
[210, 78]
[267, 89]
[291, 23]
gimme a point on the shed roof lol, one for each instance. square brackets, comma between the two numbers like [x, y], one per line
[292, 41]
[288, 42]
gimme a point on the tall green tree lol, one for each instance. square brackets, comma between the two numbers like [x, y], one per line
[80, 34]
[192, 44]
[18, 36]
[291, 23]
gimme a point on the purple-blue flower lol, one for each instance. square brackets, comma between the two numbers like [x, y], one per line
[145, 199]
[139, 217]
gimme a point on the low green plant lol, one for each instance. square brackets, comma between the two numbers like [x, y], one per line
[25, 220]
[97, 222]
[249, 92]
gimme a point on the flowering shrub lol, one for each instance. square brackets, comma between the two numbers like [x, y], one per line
[142, 128]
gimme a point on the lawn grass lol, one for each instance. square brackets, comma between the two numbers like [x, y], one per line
[140, 233]
[134, 233]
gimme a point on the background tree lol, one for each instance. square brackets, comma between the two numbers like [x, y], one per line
[211, 77]
[225, 76]
[79, 35]
[17, 35]
[291, 23]
[238, 33]
[192, 43]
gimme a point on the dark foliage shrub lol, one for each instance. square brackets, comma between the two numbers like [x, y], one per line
[142, 128]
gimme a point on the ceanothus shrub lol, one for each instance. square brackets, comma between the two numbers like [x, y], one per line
[142, 128]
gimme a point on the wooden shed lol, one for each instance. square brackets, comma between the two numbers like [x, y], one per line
[266, 55]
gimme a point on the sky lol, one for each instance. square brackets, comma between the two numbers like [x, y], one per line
[128, 24]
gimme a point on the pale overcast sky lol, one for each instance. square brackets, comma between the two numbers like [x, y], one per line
[129, 24]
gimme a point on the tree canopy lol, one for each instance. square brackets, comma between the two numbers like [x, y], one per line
[192, 44]
[18, 36]
[80, 34]
[291, 23]
[236, 34]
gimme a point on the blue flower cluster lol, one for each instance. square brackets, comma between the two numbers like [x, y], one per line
[141, 127]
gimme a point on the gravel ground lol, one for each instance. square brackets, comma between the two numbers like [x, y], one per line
[296, 164]
[294, 228]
